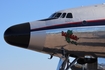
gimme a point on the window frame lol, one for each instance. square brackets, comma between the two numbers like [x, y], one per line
[64, 15]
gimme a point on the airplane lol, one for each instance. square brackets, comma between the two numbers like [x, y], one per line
[75, 32]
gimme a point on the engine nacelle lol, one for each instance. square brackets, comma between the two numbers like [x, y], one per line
[86, 60]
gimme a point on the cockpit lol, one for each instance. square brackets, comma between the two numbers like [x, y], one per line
[59, 15]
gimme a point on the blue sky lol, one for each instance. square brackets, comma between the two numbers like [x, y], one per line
[18, 11]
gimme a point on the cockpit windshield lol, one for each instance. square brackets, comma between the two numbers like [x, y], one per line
[55, 15]
[59, 15]
[52, 16]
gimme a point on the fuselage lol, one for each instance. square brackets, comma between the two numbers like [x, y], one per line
[80, 31]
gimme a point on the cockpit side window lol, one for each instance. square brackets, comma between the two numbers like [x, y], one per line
[69, 15]
[63, 15]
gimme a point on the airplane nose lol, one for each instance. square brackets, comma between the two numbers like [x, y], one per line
[18, 35]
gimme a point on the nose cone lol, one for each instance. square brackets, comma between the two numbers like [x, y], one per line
[18, 35]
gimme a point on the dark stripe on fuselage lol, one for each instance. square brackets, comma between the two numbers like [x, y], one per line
[73, 24]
